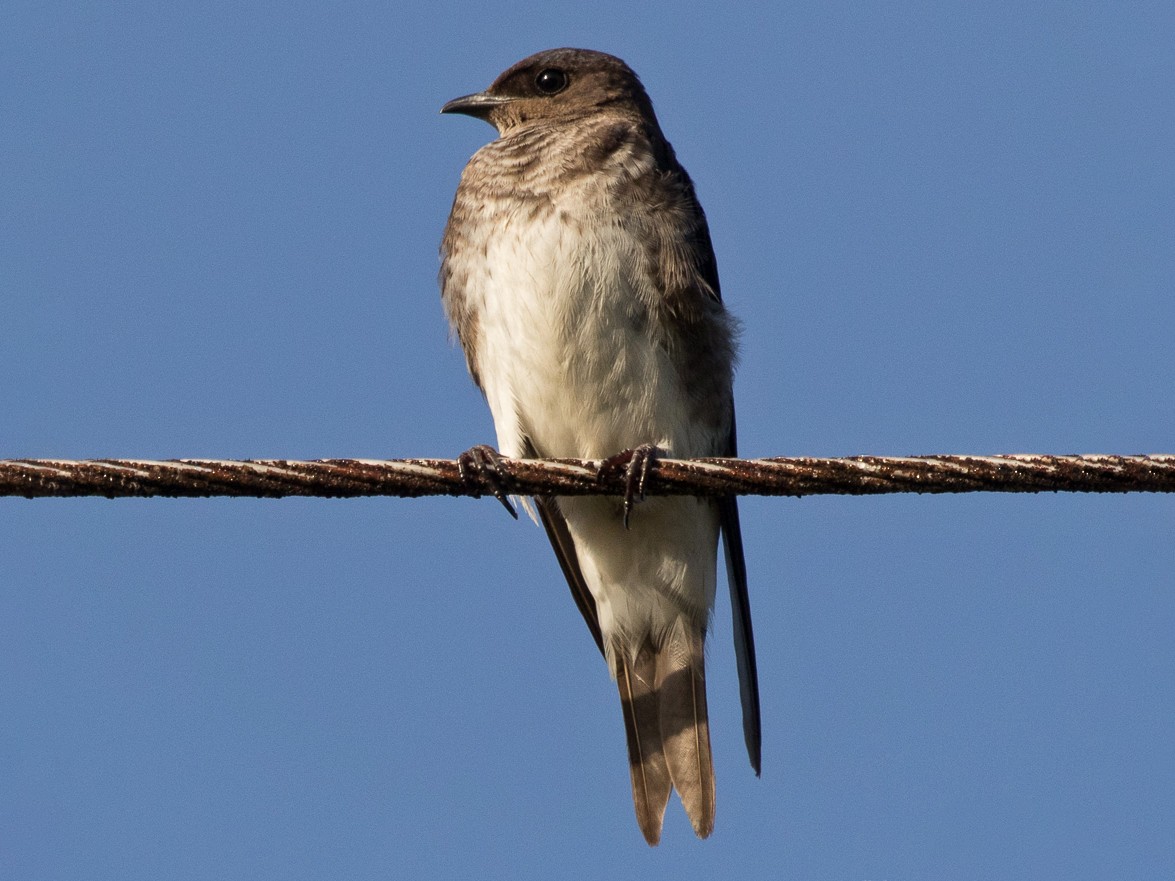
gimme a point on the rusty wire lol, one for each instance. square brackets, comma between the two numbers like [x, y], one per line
[350, 478]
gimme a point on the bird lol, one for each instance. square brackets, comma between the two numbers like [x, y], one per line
[578, 274]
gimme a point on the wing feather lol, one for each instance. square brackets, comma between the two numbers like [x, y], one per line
[740, 610]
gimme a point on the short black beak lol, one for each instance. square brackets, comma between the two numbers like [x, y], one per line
[479, 104]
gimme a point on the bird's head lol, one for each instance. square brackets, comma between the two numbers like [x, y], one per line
[558, 85]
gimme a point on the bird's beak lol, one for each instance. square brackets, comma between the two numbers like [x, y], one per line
[479, 104]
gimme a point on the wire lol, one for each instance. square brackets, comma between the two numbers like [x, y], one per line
[349, 478]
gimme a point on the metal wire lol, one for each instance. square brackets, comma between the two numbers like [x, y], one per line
[349, 478]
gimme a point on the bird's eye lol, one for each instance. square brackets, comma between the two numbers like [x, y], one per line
[551, 81]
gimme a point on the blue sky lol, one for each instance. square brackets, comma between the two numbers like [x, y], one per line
[947, 228]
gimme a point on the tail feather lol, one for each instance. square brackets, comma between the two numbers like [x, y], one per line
[663, 698]
[685, 727]
[646, 756]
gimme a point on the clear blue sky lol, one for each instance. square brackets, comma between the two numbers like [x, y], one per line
[946, 228]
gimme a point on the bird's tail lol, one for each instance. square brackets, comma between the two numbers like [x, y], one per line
[663, 697]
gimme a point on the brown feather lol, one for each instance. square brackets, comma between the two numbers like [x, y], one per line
[740, 610]
[642, 726]
[556, 526]
[685, 728]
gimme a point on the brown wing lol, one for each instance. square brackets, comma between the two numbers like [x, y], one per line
[556, 526]
[697, 267]
[740, 610]
[454, 277]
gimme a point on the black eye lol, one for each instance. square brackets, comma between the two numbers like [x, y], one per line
[551, 81]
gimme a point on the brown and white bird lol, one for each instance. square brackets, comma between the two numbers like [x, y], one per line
[578, 273]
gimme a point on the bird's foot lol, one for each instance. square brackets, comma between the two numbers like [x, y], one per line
[480, 466]
[636, 464]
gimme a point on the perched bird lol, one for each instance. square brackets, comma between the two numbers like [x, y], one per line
[578, 273]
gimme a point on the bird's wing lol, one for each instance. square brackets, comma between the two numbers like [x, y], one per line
[462, 315]
[740, 609]
[556, 526]
[699, 253]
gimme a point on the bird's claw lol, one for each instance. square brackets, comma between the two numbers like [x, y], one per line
[636, 463]
[480, 465]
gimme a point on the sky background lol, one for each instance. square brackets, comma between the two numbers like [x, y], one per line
[947, 228]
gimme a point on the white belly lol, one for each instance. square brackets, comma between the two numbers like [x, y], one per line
[567, 363]
[564, 357]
